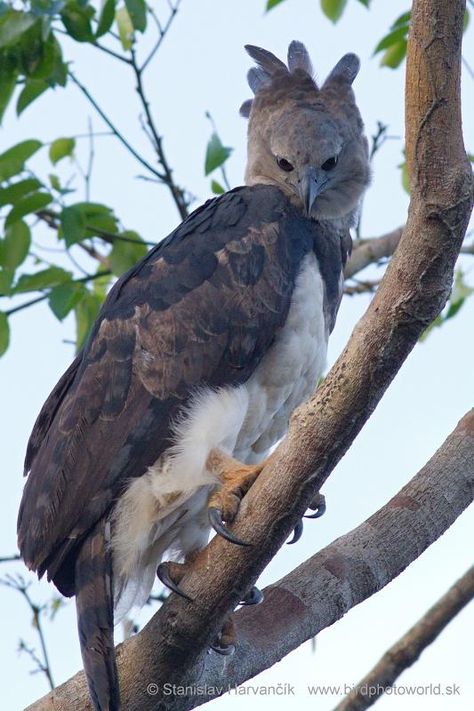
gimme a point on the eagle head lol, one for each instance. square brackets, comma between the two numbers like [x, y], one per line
[307, 140]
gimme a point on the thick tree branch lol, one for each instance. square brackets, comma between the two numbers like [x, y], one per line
[317, 593]
[371, 251]
[413, 291]
[409, 647]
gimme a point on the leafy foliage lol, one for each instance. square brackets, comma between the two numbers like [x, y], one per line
[333, 9]
[216, 154]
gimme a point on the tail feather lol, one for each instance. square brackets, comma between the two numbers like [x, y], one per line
[94, 603]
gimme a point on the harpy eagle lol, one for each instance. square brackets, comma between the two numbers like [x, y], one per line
[198, 356]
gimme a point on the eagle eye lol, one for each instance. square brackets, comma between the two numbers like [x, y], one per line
[330, 163]
[285, 165]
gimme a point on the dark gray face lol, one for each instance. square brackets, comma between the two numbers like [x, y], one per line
[323, 162]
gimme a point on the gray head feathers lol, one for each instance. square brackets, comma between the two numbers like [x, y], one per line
[306, 139]
[345, 70]
[298, 58]
[270, 69]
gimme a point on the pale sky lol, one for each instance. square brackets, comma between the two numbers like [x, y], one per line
[201, 67]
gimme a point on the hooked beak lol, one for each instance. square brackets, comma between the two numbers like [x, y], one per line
[310, 188]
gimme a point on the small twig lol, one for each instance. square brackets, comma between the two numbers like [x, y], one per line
[467, 67]
[409, 647]
[51, 218]
[167, 175]
[378, 139]
[95, 44]
[111, 52]
[43, 297]
[362, 287]
[115, 130]
[162, 31]
[10, 558]
[90, 161]
[17, 583]
[92, 252]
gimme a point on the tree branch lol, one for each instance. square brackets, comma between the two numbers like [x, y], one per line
[114, 129]
[177, 193]
[409, 647]
[314, 596]
[371, 251]
[43, 665]
[43, 297]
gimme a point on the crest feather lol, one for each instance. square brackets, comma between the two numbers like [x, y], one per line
[298, 58]
[265, 59]
[345, 70]
[257, 77]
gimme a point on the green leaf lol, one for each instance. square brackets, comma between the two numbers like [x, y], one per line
[394, 55]
[106, 18]
[4, 333]
[13, 160]
[32, 89]
[365, 3]
[216, 154]
[77, 21]
[8, 77]
[86, 311]
[434, 324]
[271, 4]
[55, 183]
[16, 245]
[98, 218]
[13, 25]
[137, 11]
[125, 255]
[61, 148]
[125, 27]
[333, 9]
[461, 291]
[51, 68]
[392, 38]
[217, 188]
[466, 21]
[86, 219]
[63, 298]
[405, 177]
[404, 19]
[13, 193]
[72, 225]
[6, 279]
[27, 205]
[52, 276]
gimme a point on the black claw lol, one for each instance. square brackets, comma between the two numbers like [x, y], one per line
[253, 597]
[163, 575]
[215, 519]
[319, 503]
[297, 532]
[225, 651]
